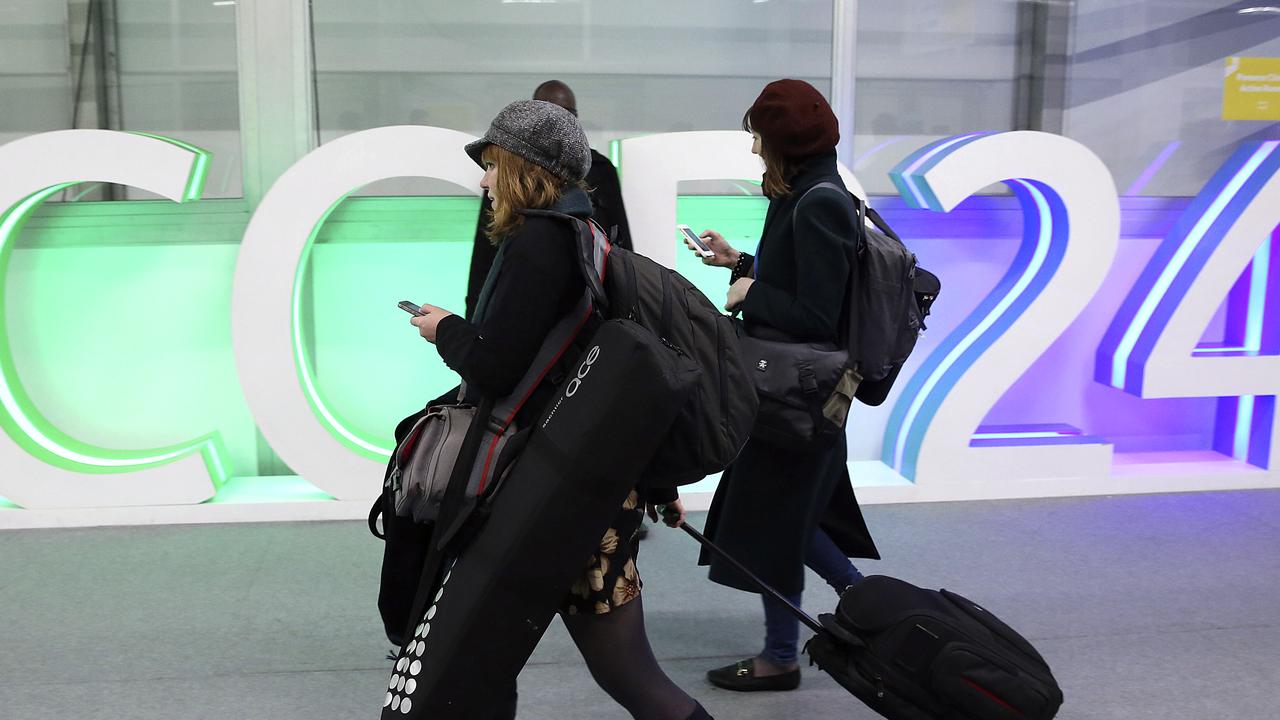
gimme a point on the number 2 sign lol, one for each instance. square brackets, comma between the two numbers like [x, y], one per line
[1070, 232]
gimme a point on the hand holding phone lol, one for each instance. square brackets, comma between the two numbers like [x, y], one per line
[411, 308]
[426, 318]
[696, 243]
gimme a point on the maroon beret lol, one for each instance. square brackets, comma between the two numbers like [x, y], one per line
[794, 119]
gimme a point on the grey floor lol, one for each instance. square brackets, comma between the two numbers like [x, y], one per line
[1146, 607]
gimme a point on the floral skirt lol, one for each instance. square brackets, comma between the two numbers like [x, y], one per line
[610, 578]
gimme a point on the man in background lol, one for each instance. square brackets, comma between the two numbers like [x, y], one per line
[602, 181]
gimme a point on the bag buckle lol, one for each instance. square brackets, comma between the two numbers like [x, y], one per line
[836, 408]
[808, 381]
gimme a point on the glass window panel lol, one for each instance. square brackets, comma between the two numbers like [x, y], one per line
[170, 68]
[928, 69]
[178, 78]
[35, 68]
[1145, 86]
[636, 68]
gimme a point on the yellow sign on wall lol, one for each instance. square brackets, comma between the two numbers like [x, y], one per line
[1252, 89]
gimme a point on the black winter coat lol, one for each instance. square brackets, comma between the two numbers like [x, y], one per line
[770, 500]
[535, 281]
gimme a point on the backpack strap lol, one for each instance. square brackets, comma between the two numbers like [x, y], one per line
[593, 252]
[848, 323]
[593, 248]
[830, 186]
[878, 221]
[864, 211]
[859, 208]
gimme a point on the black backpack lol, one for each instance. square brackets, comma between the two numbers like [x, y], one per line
[916, 654]
[713, 426]
[889, 298]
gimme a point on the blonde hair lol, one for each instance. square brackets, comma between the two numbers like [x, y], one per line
[518, 184]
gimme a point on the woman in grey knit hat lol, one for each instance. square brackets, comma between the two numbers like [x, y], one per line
[535, 156]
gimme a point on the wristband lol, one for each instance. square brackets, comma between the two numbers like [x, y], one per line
[740, 268]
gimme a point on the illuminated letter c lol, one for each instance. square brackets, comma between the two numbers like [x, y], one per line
[275, 375]
[42, 466]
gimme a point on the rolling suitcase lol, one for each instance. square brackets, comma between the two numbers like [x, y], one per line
[497, 572]
[916, 654]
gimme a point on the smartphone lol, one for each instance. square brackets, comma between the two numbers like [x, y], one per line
[411, 308]
[698, 242]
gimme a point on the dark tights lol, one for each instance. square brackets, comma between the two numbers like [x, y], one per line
[616, 650]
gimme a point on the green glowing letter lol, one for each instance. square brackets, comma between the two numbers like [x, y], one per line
[275, 374]
[41, 466]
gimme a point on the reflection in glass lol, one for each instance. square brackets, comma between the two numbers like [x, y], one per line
[165, 67]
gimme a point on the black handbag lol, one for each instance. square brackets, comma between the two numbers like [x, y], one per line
[802, 387]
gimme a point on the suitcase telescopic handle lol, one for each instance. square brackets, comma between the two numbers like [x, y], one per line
[764, 587]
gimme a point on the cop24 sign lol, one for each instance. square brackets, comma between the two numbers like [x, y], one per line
[1071, 232]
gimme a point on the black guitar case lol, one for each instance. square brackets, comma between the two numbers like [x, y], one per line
[497, 571]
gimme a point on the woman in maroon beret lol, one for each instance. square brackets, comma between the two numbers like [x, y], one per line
[778, 509]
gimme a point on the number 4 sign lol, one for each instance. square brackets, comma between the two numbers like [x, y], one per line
[1153, 347]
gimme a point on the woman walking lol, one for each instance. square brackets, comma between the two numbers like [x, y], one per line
[778, 509]
[535, 156]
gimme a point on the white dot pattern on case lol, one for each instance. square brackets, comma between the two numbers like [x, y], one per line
[401, 683]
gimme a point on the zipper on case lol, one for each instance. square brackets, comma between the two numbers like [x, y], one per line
[672, 346]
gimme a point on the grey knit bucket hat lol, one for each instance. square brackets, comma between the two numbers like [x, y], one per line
[541, 132]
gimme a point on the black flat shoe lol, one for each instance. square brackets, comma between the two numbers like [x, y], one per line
[741, 676]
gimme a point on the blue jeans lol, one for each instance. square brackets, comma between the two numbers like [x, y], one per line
[781, 628]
